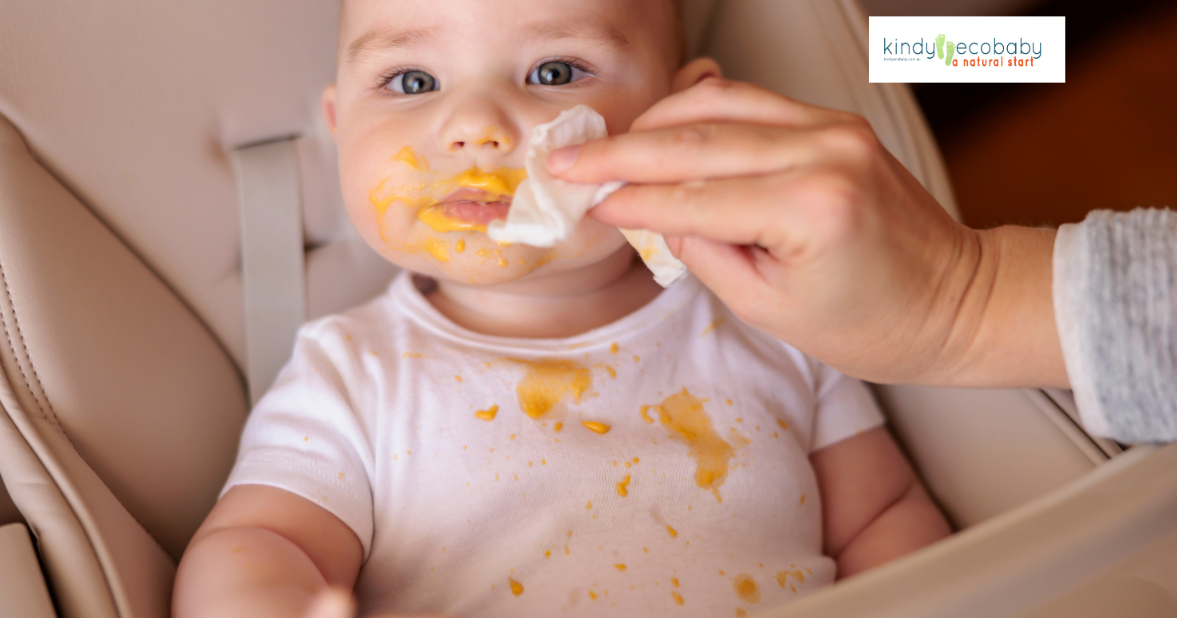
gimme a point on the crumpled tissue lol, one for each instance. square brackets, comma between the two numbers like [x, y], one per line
[545, 209]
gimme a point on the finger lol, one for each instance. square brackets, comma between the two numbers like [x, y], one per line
[717, 100]
[737, 211]
[701, 152]
[333, 603]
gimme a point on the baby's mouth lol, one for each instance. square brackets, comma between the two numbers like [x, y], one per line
[466, 209]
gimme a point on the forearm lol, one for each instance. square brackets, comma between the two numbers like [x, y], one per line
[1003, 333]
[246, 572]
[907, 525]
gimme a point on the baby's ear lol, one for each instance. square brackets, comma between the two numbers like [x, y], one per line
[695, 71]
[328, 101]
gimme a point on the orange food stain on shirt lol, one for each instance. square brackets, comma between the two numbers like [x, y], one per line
[636, 358]
[558, 427]
[612, 371]
[546, 382]
[592, 595]
[672, 531]
[619, 567]
[548, 554]
[677, 597]
[614, 348]
[621, 487]
[782, 578]
[596, 427]
[684, 416]
[516, 587]
[488, 414]
[714, 325]
[674, 582]
[412, 355]
[646, 415]
[341, 476]
[590, 505]
[746, 588]
[458, 378]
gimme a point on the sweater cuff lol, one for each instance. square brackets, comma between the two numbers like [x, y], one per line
[1071, 260]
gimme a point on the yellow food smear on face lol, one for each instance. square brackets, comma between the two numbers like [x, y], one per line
[435, 218]
[501, 182]
[619, 567]
[672, 531]
[460, 246]
[677, 597]
[596, 427]
[410, 158]
[621, 487]
[437, 249]
[547, 382]
[782, 578]
[516, 587]
[488, 414]
[746, 588]
[684, 416]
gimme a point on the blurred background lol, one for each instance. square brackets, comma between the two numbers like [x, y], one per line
[1047, 154]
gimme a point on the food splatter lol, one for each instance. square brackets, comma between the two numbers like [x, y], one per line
[622, 487]
[782, 578]
[619, 567]
[408, 157]
[646, 414]
[613, 349]
[672, 531]
[460, 246]
[677, 597]
[488, 414]
[596, 427]
[516, 587]
[714, 325]
[547, 382]
[746, 588]
[684, 416]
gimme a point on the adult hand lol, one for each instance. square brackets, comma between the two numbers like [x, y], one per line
[800, 220]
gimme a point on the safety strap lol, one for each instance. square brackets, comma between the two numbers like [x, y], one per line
[272, 260]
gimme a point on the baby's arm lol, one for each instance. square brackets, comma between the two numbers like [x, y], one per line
[874, 509]
[264, 552]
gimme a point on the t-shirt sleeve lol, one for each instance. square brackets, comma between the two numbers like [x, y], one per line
[305, 437]
[844, 408]
[1115, 298]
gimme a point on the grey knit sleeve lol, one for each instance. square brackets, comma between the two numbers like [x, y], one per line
[1115, 301]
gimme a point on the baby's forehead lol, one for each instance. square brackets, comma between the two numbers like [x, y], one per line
[611, 21]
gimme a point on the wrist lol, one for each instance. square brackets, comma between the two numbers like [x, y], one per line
[1004, 333]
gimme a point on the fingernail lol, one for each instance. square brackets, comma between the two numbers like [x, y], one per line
[562, 160]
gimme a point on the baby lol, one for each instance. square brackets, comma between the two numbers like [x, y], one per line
[521, 431]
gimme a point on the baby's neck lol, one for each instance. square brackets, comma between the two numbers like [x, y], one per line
[557, 306]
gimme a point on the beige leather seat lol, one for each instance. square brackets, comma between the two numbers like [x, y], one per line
[125, 344]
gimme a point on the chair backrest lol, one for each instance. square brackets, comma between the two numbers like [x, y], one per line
[122, 309]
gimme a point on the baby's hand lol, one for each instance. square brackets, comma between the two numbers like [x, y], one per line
[338, 603]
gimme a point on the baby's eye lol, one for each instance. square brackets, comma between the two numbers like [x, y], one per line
[413, 82]
[555, 73]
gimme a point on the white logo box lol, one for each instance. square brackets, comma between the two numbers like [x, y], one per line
[980, 49]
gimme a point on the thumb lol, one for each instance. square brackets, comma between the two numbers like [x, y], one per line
[332, 603]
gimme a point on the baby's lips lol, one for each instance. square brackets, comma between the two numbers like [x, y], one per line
[481, 213]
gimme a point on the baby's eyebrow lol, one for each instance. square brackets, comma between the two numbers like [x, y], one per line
[592, 30]
[386, 39]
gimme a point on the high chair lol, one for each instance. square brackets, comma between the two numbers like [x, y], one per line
[170, 212]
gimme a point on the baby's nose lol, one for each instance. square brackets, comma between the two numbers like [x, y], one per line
[490, 138]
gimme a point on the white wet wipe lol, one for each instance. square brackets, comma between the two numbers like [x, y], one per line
[545, 209]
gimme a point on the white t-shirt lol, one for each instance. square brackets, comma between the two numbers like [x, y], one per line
[655, 466]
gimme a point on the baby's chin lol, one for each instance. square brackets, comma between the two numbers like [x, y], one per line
[472, 258]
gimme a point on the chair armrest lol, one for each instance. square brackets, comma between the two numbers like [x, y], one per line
[22, 586]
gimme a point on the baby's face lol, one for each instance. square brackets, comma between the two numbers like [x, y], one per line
[435, 103]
